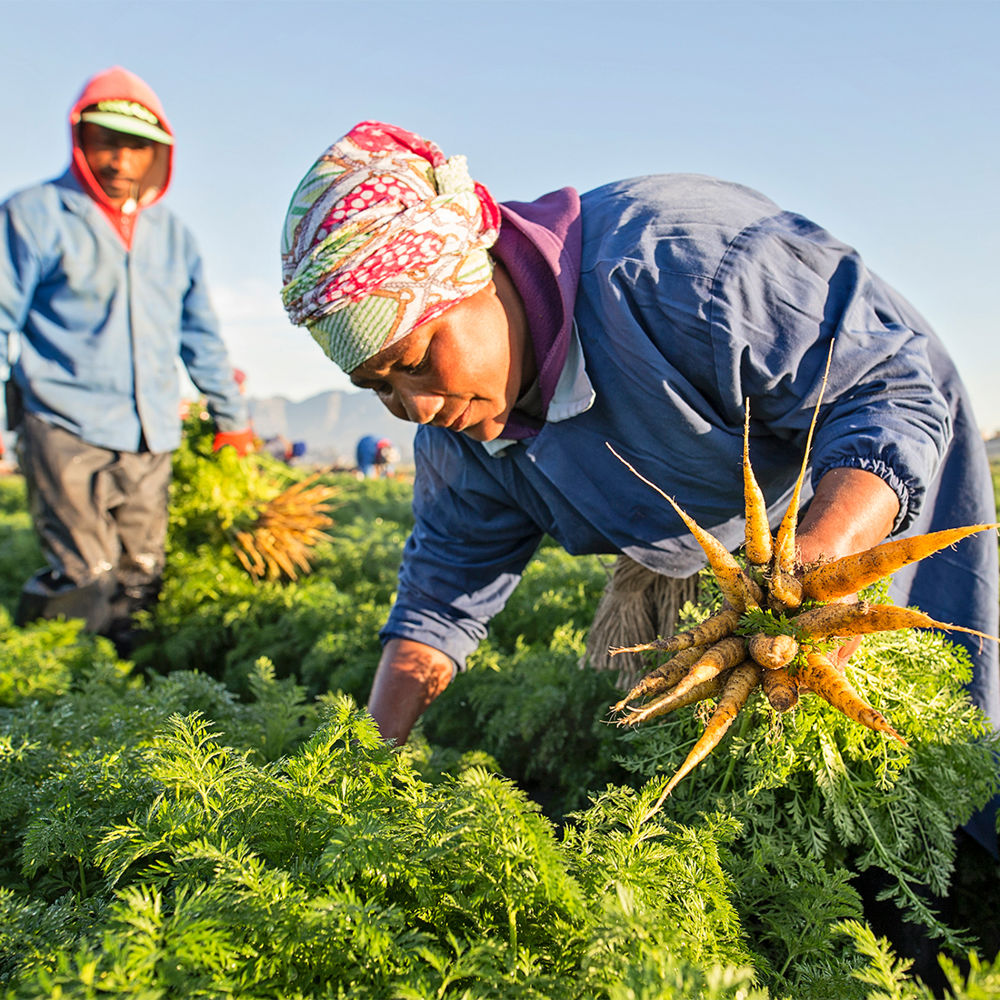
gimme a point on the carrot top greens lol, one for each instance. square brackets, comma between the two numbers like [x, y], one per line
[768, 622]
[226, 822]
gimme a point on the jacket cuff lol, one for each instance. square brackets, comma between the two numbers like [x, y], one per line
[905, 493]
[456, 639]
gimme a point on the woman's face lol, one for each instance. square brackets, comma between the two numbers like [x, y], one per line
[463, 370]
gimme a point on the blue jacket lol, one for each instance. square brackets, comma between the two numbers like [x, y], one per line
[99, 326]
[366, 451]
[693, 295]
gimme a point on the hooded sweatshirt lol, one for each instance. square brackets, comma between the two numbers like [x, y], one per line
[99, 303]
[119, 84]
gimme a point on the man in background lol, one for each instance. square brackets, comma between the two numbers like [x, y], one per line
[101, 291]
[375, 457]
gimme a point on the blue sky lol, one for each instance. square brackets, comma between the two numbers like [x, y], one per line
[877, 119]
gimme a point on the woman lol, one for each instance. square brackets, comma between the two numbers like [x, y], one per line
[525, 337]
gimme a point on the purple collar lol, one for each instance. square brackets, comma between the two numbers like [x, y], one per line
[540, 245]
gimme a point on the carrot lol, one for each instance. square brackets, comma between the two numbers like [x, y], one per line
[784, 540]
[824, 679]
[772, 651]
[722, 656]
[735, 693]
[737, 588]
[661, 706]
[248, 555]
[758, 531]
[781, 688]
[847, 620]
[840, 577]
[784, 591]
[712, 629]
[663, 677]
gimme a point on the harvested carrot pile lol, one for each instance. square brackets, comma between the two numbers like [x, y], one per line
[285, 531]
[775, 625]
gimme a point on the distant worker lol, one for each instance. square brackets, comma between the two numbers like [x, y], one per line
[375, 457]
[101, 290]
[6, 466]
[281, 448]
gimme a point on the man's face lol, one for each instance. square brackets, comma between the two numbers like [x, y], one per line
[119, 162]
[463, 370]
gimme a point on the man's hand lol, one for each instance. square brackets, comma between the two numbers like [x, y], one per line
[852, 510]
[242, 440]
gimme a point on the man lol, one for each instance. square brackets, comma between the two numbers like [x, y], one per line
[101, 290]
[525, 337]
[375, 457]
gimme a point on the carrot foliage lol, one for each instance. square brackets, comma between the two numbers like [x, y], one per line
[221, 819]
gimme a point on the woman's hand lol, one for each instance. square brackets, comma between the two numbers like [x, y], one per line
[410, 676]
[851, 511]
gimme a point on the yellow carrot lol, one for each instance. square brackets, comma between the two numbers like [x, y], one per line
[784, 591]
[737, 588]
[772, 651]
[781, 688]
[663, 677]
[661, 706]
[847, 620]
[735, 693]
[758, 530]
[784, 541]
[711, 629]
[722, 656]
[841, 577]
[821, 677]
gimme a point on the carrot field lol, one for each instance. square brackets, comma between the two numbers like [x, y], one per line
[218, 818]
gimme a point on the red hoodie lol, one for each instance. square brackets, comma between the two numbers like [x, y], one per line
[117, 83]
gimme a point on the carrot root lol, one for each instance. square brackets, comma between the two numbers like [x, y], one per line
[841, 577]
[712, 629]
[784, 539]
[772, 651]
[759, 544]
[784, 591]
[848, 620]
[724, 655]
[663, 705]
[824, 679]
[737, 588]
[663, 678]
[735, 693]
[780, 688]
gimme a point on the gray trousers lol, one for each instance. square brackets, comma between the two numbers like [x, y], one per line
[101, 518]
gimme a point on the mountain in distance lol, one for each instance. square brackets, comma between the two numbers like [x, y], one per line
[331, 424]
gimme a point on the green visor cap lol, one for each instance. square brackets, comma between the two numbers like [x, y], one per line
[128, 117]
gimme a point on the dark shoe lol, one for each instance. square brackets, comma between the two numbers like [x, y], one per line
[49, 595]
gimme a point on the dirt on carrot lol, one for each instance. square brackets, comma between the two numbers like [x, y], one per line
[772, 651]
[842, 577]
[821, 677]
[737, 689]
[781, 688]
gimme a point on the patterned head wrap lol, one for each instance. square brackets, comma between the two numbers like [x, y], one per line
[382, 234]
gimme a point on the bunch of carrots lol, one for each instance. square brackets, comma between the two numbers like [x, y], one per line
[285, 531]
[774, 625]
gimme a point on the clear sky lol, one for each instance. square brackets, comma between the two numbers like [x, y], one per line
[877, 119]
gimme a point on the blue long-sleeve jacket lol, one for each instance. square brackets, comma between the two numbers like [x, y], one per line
[695, 294]
[99, 326]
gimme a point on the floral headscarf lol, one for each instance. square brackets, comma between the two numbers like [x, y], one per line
[382, 234]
